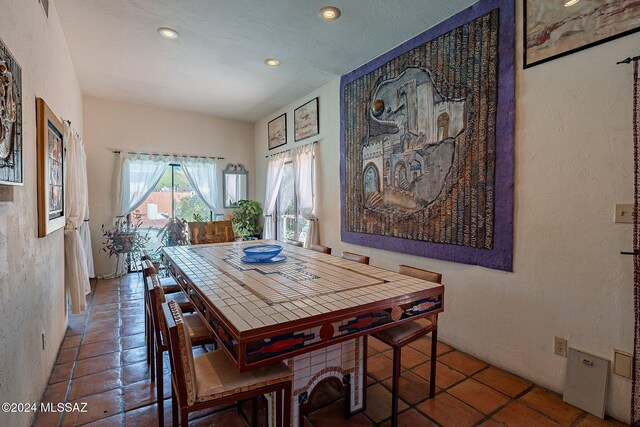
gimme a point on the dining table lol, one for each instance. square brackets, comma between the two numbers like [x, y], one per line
[311, 310]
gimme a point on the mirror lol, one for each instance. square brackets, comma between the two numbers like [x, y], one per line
[234, 182]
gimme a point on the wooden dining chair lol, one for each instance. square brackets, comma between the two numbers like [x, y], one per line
[362, 259]
[210, 379]
[320, 248]
[294, 243]
[211, 232]
[199, 334]
[405, 333]
[177, 295]
[169, 284]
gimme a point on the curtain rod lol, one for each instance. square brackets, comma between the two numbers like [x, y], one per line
[628, 60]
[289, 150]
[166, 154]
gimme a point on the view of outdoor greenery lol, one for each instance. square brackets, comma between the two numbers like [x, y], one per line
[172, 197]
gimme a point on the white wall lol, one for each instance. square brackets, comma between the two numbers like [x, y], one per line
[32, 295]
[111, 125]
[573, 161]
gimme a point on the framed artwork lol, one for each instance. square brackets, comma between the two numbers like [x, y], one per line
[306, 120]
[11, 171]
[50, 170]
[277, 130]
[426, 152]
[557, 28]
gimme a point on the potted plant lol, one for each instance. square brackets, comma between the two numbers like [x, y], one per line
[124, 238]
[174, 233]
[245, 220]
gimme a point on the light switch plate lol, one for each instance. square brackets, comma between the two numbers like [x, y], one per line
[622, 363]
[624, 213]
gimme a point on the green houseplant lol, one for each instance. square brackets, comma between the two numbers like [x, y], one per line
[174, 233]
[245, 219]
[124, 238]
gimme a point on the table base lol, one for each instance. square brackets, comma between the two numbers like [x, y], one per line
[344, 361]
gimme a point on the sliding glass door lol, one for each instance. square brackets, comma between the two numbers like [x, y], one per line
[172, 197]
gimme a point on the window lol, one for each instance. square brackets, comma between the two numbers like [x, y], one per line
[291, 226]
[172, 197]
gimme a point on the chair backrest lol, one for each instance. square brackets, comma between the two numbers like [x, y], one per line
[294, 243]
[156, 299]
[180, 353]
[320, 248]
[362, 259]
[430, 276]
[211, 232]
[147, 268]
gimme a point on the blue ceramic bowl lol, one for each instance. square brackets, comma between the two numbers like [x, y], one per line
[262, 252]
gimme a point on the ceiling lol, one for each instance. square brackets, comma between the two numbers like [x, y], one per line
[217, 66]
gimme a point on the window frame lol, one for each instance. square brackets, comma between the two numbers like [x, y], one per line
[134, 268]
[297, 216]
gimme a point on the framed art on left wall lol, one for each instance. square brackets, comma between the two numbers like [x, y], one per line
[50, 170]
[11, 172]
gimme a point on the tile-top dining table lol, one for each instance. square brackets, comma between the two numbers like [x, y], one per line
[311, 310]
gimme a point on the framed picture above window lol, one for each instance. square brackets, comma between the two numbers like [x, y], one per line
[558, 28]
[306, 120]
[50, 170]
[277, 131]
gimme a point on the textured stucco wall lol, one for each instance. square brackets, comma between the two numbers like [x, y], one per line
[32, 296]
[114, 125]
[574, 161]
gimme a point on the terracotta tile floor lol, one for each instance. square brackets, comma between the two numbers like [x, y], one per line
[102, 362]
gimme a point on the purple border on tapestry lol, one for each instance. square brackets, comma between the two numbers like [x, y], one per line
[501, 256]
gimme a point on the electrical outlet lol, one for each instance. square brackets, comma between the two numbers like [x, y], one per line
[560, 347]
[624, 213]
[44, 340]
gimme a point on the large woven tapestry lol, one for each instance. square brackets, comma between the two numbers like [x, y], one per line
[427, 142]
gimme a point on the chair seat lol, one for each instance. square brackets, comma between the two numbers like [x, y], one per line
[171, 288]
[217, 377]
[398, 334]
[169, 285]
[198, 330]
[182, 300]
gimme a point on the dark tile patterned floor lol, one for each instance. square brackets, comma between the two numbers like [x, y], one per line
[102, 362]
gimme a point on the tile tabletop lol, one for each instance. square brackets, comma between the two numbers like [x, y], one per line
[306, 284]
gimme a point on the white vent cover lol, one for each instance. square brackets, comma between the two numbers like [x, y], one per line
[586, 383]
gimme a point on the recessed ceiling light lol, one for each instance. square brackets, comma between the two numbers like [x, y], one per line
[330, 13]
[168, 33]
[272, 62]
[571, 3]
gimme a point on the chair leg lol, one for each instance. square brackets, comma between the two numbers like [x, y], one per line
[152, 365]
[279, 414]
[286, 419]
[147, 340]
[254, 412]
[395, 387]
[160, 388]
[434, 357]
[174, 407]
[184, 418]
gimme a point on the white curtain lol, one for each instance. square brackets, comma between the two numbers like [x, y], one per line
[304, 170]
[76, 272]
[137, 176]
[85, 235]
[203, 176]
[274, 178]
